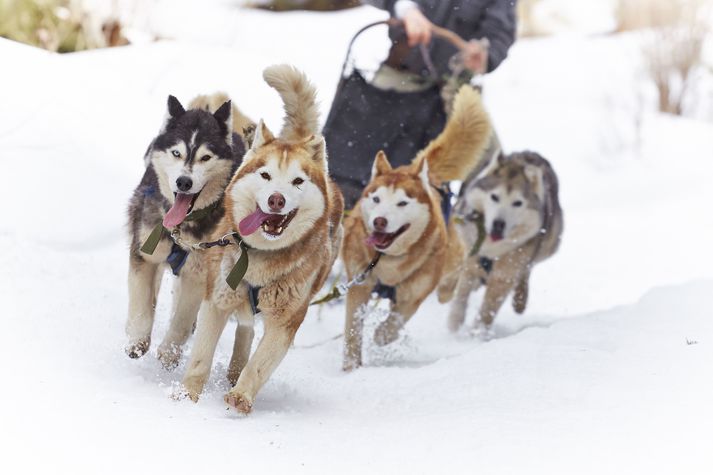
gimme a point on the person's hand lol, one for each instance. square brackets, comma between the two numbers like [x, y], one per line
[418, 27]
[475, 56]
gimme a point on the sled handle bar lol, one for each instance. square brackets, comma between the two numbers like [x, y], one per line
[438, 31]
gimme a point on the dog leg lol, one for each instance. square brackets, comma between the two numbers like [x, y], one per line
[144, 278]
[269, 353]
[519, 300]
[357, 297]
[211, 322]
[409, 296]
[495, 294]
[188, 292]
[468, 282]
[244, 334]
[453, 267]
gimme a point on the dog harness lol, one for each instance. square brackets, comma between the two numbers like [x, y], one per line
[149, 246]
[385, 291]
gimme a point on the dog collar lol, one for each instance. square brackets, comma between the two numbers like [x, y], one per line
[149, 246]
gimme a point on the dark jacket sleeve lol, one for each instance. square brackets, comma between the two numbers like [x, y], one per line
[499, 27]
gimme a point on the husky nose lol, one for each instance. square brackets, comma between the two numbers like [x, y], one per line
[380, 224]
[276, 202]
[184, 183]
[498, 229]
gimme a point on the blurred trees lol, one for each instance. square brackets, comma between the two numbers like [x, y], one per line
[61, 26]
[675, 31]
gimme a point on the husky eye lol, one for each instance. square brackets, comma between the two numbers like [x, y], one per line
[265, 176]
[517, 204]
[297, 181]
[176, 153]
[402, 203]
[205, 158]
[495, 198]
[376, 199]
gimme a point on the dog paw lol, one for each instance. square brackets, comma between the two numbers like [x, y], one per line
[138, 348]
[190, 388]
[385, 334]
[350, 364]
[483, 332]
[239, 402]
[169, 356]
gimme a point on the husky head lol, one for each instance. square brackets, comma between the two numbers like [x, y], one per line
[281, 190]
[397, 205]
[510, 196]
[192, 157]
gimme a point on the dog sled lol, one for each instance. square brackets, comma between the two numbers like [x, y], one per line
[364, 118]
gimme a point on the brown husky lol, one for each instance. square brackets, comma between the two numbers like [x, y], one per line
[399, 219]
[288, 213]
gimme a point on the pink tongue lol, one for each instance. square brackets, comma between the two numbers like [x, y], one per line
[375, 239]
[252, 222]
[178, 211]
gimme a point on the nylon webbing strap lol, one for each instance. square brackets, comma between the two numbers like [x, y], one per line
[152, 241]
[239, 269]
[480, 223]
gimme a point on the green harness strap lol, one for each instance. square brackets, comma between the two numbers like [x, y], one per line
[240, 268]
[149, 246]
[152, 241]
[480, 223]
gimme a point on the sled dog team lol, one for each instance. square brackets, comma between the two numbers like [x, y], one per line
[250, 222]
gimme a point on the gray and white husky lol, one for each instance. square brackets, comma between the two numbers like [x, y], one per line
[514, 203]
[189, 164]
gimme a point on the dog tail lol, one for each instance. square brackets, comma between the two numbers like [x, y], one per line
[211, 103]
[299, 97]
[458, 149]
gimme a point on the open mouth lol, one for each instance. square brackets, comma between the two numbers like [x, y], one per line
[382, 241]
[496, 236]
[182, 205]
[273, 225]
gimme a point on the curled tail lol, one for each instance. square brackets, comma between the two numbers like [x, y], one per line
[211, 103]
[458, 149]
[300, 101]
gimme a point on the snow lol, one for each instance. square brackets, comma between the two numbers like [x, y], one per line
[608, 371]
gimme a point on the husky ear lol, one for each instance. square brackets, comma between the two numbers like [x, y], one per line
[224, 116]
[535, 177]
[381, 165]
[422, 170]
[318, 147]
[263, 136]
[175, 109]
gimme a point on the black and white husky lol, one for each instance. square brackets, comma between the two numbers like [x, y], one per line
[177, 204]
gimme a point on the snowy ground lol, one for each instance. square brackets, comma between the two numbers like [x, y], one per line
[608, 372]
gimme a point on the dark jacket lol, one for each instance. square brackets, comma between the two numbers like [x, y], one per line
[471, 19]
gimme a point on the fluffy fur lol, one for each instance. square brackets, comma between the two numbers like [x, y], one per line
[299, 100]
[518, 199]
[242, 124]
[399, 215]
[207, 152]
[457, 151]
[288, 263]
